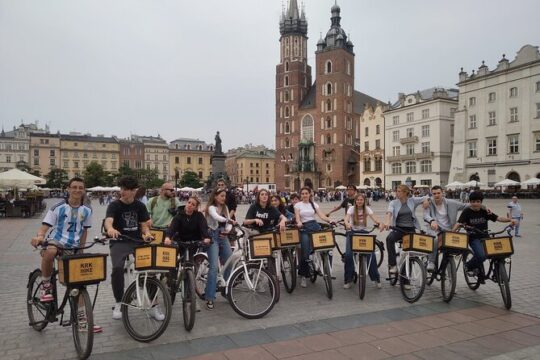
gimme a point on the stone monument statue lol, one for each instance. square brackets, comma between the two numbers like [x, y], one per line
[217, 149]
[218, 160]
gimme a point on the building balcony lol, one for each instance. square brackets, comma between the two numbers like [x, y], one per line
[400, 157]
[425, 155]
[408, 140]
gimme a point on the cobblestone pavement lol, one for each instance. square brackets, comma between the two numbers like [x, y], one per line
[305, 306]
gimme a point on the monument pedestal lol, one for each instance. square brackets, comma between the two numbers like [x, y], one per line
[218, 165]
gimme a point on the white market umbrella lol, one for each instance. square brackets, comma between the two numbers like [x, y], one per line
[421, 186]
[362, 187]
[187, 188]
[473, 183]
[531, 181]
[199, 189]
[341, 187]
[96, 188]
[455, 184]
[20, 179]
[507, 182]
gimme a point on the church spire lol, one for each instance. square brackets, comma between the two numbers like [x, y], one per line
[292, 21]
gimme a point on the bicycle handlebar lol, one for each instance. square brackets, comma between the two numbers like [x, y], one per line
[488, 233]
[46, 243]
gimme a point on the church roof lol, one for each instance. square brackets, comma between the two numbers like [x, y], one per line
[309, 100]
[360, 100]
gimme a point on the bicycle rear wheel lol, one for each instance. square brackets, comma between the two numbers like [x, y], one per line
[251, 291]
[362, 276]
[379, 252]
[189, 299]
[413, 285]
[82, 323]
[448, 278]
[327, 275]
[38, 312]
[288, 269]
[472, 281]
[141, 313]
[504, 284]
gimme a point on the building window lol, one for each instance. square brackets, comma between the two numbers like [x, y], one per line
[425, 113]
[396, 150]
[425, 130]
[287, 112]
[538, 86]
[410, 117]
[66, 164]
[329, 89]
[286, 66]
[200, 161]
[36, 161]
[513, 144]
[472, 122]
[395, 120]
[367, 164]
[452, 112]
[328, 123]
[537, 142]
[366, 146]
[472, 101]
[378, 127]
[425, 166]
[177, 160]
[52, 162]
[538, 110]
[286, 96]
[377, 144]
[492, 146]
[188, 160]
[287, 128]
[492, 118]
[395, 135]
[410, 167]
[513, 114]
[410, 149]
[396, 168]
[349, 123]
[425, 148]
[513, 92]
[366, 130]
[328, 67]
[410, 132]
[76, 164]
[378, 164]
[328, 139]
[492, 97]
[286, 81]
[451, 130]
[328, 105]
[471, 149]
[348, 67]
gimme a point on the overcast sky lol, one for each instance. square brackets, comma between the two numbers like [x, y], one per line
[189, 68]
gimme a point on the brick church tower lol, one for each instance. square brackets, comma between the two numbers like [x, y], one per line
[316, 122]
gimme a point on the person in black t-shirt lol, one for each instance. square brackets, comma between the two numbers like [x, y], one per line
[230, 199]
[347, 202]
[261, 216]
[476, 216]
[125, 216]
[293, 198]
[188, 225]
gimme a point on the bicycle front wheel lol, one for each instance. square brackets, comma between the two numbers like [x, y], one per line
[189, 299]
[288, 269]
[251, 291]
[327, 275]
[82, 323]
[146, 309]
[37, 311]
[472, 281]
[362, 276]
[413, 283]
[379, 252]
[448, 278]
[504, 284]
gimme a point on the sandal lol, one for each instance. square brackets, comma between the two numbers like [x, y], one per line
[210, 305]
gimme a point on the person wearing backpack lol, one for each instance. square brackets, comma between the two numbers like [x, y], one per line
[162, 208]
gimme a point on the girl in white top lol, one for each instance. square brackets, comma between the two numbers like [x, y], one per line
[356, 221]
[305, 211]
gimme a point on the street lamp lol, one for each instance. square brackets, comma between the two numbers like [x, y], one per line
[176, 176]
[247, 185]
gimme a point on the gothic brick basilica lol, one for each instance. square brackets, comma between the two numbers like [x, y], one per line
[317, 136]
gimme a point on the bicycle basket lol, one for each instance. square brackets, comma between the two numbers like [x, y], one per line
[155, 257]
[158, 235]
[498, 247]
[363, 243]
[289, 237]
[455, 241]
[418, 243]
[321, 240]
[82, 269]
[260, 246]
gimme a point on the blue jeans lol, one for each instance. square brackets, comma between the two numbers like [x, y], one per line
[516, 227]
[305, 245]
[220, 249]
[477, 261]
[373, 271]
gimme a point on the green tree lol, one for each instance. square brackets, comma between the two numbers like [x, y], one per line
[149, 178]
[94, 175]
[191, 179]
[57, 178]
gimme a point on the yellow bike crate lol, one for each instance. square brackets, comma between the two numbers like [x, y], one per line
[418, 243]
[82, 269]
[155, 257]
[260, 246]
[455, 241]
[268, 235]
[158, 235]
[498, 247]
[289, 237]
[321, 240]
[363, 243]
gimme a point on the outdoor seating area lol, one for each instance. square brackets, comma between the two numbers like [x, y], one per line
[19, 194]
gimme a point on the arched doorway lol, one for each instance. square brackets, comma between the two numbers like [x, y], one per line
[378, 182]
[367, 182]
[308, 183]
[474, 177]
[512, 175]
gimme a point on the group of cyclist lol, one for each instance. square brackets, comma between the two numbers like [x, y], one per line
[128, 218]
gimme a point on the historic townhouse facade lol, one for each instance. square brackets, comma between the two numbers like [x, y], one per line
[419, 130]
[131, 153]
[156, 154]
[190, 155]
[370, 131]
[315, 121]
[44, 152]
[497, 132]
[15, 146]
[78, 151]
[251, 164]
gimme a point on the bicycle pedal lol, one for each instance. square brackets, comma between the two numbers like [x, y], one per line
[333, 277]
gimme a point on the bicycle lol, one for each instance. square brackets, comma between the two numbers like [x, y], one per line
[379, 246]
[75, 272]
[147, 295]
[452, 247]
[498, 251]
[362, 245]
[250, 288]
[322, 242]
[411, 270]
[289, 240]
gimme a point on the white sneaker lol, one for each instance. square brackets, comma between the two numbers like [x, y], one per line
[156, 313]
[303, 282]
[347, 285]
[407, 287]
[117, 312]
[392, 270]
[379, 285]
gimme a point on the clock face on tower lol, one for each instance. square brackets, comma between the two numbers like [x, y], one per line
[410, 100]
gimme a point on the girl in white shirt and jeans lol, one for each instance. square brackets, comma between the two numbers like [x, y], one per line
[305, 212]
